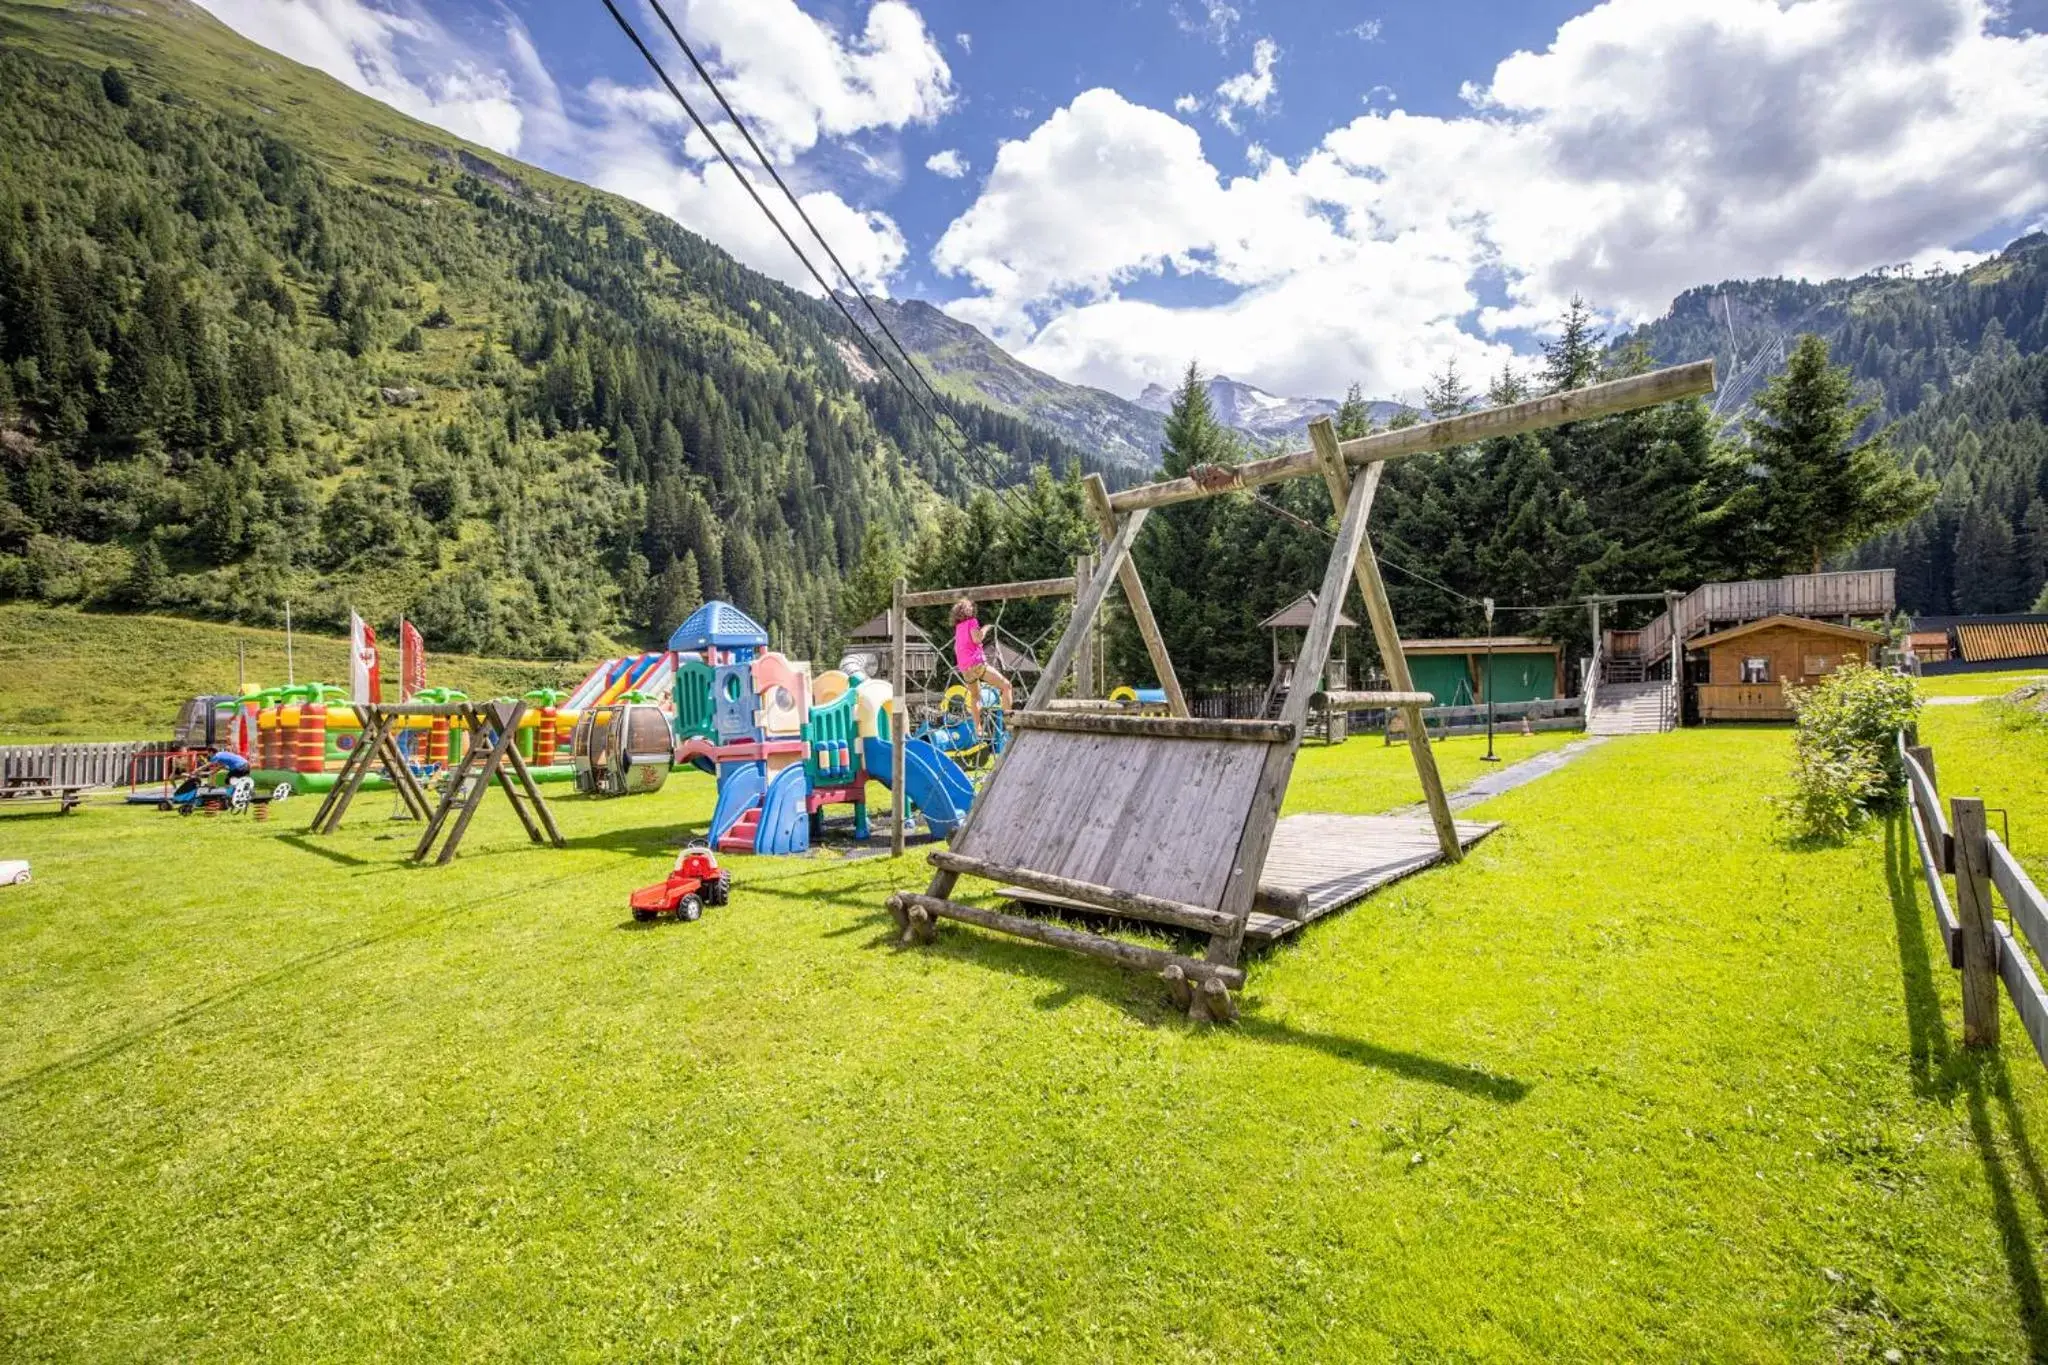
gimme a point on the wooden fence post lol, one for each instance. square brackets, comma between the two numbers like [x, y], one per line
[1084, 661]
[1923, 754]
[1980, 933]
[899, 675]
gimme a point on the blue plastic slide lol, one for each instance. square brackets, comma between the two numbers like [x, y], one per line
[785, 813]
[932, 782]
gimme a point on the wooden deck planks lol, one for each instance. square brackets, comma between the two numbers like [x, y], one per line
[1157, 816]
[1328, 860]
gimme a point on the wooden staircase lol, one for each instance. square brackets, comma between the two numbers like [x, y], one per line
[1636, 708]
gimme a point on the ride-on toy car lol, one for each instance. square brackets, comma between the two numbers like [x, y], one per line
[697, 881]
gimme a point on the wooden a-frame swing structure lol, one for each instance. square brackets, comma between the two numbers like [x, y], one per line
[491, 755]
[1170, 819]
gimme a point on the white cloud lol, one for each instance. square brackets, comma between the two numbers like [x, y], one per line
[399, 56]
[1654, 145]
[1211, 19]
[1248, 89]
[966, 41]
[948, 163]
[798, 81]
[1366, 32]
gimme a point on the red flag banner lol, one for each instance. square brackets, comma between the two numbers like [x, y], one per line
[412, 661]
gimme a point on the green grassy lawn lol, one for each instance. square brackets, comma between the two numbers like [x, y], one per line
[67, 674]
[1633, 1081]
[1979, 684]
[2000, 754]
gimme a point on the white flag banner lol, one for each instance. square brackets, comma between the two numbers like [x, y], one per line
[362, 661]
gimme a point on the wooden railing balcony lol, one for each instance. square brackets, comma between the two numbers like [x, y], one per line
[1854, 592]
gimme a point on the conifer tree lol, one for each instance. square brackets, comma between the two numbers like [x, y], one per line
[1822, 492]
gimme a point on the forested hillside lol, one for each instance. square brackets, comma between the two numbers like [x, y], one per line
[262, 339]
[1955, 359]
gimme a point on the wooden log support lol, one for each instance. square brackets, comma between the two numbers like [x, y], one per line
[1369, 701]
[1153, 960]
[1086, 605]
[1980, 935]
[1380, 612]
[1155, 727]
[1084, 661]
[992, 592]
[1177, 988]
[1532, 414]
[899, 725]
[1134, 597]
[1213, 1004]
[1129, 904]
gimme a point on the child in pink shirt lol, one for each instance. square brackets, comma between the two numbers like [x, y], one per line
[972, 660]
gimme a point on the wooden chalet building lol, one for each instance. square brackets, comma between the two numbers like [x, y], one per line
[1747, 668]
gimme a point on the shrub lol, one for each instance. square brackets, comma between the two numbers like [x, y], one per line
[1846, 762]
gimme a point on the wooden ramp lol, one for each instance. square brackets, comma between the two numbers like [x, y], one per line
[1329, 861]
[1318, 864]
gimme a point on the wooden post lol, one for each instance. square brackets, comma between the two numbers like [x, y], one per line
[1980, 932]
[898, 724]
[1084, 662]
[1086, 604]
[1373, 588]
[1133, 584]
[1924, 755]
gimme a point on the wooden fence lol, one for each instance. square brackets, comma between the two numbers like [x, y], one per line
[1958, 843]
[63, 772]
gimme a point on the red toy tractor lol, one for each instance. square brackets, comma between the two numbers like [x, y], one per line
[697, 881]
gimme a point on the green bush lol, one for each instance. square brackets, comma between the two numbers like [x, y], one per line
[1846, 762]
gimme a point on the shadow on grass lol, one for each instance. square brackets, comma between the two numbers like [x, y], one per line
[1142, 998]
[306, 844]
[1941, 1071]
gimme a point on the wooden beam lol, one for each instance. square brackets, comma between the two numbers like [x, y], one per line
[1074, 940]
[898, 717]
[1155, 727]
[1109, 900]
[1369, 701]
[992, 592]
[1314, 653]
[1086, 605]
[1133, 584]
[1380, 612]
[1084, 659]
[1531, 414]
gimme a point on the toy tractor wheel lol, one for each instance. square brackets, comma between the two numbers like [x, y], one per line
[281, 792]
[188, 807]
[689, 909]
[642, 916]
[719, 890]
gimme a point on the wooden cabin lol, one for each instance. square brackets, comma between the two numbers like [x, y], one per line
[1749, 666]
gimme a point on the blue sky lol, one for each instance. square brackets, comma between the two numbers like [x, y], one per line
[1299, 194]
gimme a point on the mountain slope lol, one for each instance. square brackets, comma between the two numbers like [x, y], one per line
[1960, 362]
[964, 362]
[264, 340]
[1262, 415]
[1906, 338]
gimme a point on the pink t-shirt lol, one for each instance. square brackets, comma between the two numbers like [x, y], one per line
[967, 651]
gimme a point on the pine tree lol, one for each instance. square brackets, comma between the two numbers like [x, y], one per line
[870, 586]
[1821, 491]
[1987, 578]
[1354, 416]
[1571, 361]
[147, 573]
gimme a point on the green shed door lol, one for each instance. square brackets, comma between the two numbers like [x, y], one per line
[1523, 677]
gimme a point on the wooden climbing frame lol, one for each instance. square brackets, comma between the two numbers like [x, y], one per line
[491, 755]
[1169, 819]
